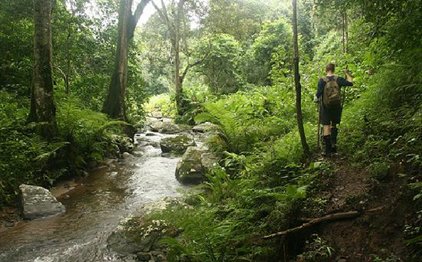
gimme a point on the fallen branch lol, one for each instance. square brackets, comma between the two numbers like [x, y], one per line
[314, 221]
[376, 209]
[331, 217]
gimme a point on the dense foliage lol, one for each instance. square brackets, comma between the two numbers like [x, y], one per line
[236, 61]
[262, 178]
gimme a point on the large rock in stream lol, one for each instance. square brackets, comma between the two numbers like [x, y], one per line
[193, 166]
[177, 144]
[38, 202]
[205, 127]
[165, 126]
[141, 239]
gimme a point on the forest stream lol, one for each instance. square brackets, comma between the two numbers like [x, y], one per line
[95, 208]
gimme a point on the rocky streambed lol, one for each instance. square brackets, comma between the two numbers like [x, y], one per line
[109, 195]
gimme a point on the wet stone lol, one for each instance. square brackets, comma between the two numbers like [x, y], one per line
[38, 202]
[177, 144]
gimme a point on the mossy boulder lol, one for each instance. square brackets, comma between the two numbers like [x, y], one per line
[189, 170]
[141, 239]
[177, 144]
[205, 127]
[193, 166]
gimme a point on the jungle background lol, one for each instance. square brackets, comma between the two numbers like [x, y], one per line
[231, 63]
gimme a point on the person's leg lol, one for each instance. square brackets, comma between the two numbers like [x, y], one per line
[334, 133]
[326, 122]
[327, 140]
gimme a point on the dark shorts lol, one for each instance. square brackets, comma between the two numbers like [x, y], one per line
[330, 115]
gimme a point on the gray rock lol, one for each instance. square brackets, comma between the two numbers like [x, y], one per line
[157, 114]
[205, 127]
[189, 170]
[123, 244]
[177, 144]
[141, 238]
[156, 126]
[110, 162]
[170, 128]
[127, 155]
[137, 153]
[38, 202]
[209, 160]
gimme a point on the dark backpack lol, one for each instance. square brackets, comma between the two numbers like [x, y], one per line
[331, 97]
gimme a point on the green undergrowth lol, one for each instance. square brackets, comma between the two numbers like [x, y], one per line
[257, 188]
[227, 221]
[384, 131]
[85, 138]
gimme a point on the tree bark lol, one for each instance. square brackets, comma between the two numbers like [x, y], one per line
[43, 109]
[114, 104]
[298, 86]
[174, 30]
[345, 31]
[178, 79]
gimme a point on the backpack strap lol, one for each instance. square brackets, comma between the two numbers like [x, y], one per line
[326, 79]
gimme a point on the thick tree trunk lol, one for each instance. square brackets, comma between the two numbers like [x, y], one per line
[298, 87]
[43, 110]
[114, 105]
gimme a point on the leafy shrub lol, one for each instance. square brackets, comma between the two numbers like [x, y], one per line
[316, 250]
[24, 156]
[84, 136]
[250, 117]
[387, 119]
[162, 103]
[90, 133]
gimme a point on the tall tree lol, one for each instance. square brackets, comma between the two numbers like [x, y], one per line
[43, 110]
[114, 105]
[174, 26]
[298, 86]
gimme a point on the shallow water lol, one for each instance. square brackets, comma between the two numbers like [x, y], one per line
[94, 209]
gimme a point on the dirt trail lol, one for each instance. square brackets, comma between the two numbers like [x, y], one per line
[373, 235]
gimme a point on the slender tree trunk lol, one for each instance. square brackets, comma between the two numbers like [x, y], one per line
[114, 104]
[345, 33]
[298, 87]
[346, 26]
[43, 109]
[68, 62]
[178, 79]
[174, 29]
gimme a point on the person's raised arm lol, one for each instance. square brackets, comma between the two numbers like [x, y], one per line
[348, 75]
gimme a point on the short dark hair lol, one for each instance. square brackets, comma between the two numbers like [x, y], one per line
[330, 67]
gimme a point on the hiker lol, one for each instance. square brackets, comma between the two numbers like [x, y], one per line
[329, 96]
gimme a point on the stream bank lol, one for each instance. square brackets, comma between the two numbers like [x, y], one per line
[95, 207]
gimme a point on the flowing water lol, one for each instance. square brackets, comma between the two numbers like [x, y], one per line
[94, 209]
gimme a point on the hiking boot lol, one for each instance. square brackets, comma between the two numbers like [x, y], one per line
[327, 146]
